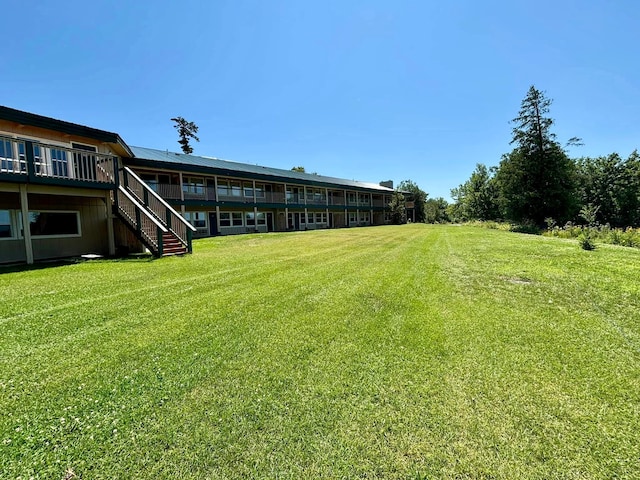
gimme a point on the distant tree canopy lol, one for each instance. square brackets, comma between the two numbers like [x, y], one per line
[435, 210]
[301, 169]
[186, 131]
[397, 208]
[537, 181]
[477, 198]
[417, 195]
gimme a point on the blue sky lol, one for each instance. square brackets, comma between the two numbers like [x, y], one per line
[365, 90]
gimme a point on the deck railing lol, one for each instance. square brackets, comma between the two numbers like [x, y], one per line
[22, 157]
[12, 156]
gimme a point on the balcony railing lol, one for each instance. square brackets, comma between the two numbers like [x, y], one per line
[52, 161]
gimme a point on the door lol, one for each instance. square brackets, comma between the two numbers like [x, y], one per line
[213, 223]
[270, 226]
[85, 163]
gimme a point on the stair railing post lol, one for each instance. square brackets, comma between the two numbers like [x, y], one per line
[168, 217]
[138, 221]
[189, 238]
[160, 242]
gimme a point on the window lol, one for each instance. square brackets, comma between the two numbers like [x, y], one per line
[6, 224]
[321, 217]
[353, 217]
[236, 189]
[352, 198]
[231, 219]
[364, 217]
[259, 191]
[150, 179]
[223, 188]
[8, 161]
[59, 162]
[251, 219]
[261, 218]
[39, 162]
[193, 185]
[46, 224]
[248, 190]
[303, 218]
[236, 219]
[197, 219]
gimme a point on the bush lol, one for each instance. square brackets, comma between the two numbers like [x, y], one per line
[586, 242]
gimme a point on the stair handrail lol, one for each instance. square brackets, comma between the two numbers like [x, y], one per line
[143, 209]
[159, 198]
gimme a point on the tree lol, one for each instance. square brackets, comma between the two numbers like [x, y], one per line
[397, 208]
[417, 196]
[301, 169]
[536, 180]
[477, 198]
[186, 130]
[613, 185]
[435, 210]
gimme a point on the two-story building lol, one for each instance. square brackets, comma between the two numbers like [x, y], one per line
[68, 190]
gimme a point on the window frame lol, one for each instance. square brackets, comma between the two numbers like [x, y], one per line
[56, 235]
[13, 225]
[188, 216]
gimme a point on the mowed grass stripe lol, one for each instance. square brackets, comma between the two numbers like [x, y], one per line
[392, 352]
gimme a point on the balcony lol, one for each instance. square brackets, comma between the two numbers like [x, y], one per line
[34, 161]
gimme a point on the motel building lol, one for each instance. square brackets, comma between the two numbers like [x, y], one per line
[68, 190]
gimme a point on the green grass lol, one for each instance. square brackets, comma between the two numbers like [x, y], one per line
[386, 352]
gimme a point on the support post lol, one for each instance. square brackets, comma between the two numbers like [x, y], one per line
[110, 231]
[26, 231]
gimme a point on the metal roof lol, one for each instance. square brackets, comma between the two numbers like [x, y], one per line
[225, 167]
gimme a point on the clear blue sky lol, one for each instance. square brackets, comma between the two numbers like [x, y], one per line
[367, 90]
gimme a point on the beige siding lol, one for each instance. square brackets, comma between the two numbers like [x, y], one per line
[10, 129]
[11, 250]
[93, 226]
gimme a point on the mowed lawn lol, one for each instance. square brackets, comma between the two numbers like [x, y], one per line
[384, 352]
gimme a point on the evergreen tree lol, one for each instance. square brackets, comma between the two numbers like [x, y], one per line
[536, 180]
[186, 130]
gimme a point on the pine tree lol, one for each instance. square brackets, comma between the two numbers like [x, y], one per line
[536, 180]
[186, 130]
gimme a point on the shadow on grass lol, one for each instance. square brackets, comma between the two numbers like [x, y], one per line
[64, 262]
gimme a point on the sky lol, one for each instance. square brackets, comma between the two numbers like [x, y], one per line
[364, 90]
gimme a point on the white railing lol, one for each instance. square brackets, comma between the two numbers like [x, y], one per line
[140, 219]
[53, 161]
[170, 218]
[12, 156]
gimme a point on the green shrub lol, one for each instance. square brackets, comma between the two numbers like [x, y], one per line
[586, 242]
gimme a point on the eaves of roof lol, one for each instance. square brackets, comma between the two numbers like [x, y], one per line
[33, 120]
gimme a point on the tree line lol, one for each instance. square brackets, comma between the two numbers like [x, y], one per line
[538, 183]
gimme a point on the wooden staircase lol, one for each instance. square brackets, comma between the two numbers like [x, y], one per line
[154, 222]
[171, 245]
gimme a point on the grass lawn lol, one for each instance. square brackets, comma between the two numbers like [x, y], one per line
[385, 352]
